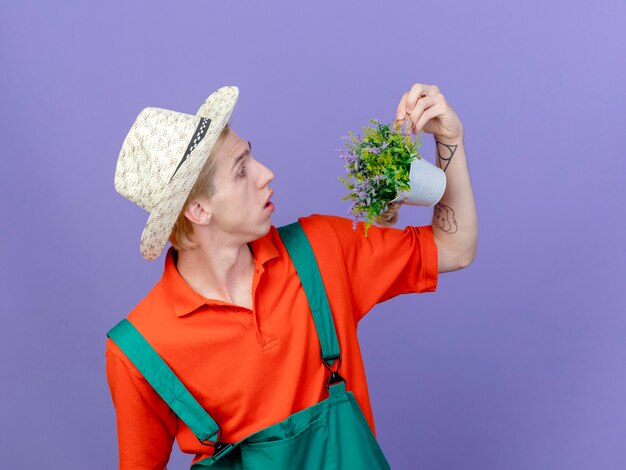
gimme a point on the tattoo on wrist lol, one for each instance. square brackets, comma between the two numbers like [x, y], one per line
[451, 149]
[444, 218]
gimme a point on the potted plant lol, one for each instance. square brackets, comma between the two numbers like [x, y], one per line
[386, 170]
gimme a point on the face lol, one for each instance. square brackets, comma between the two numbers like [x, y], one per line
[238, 206]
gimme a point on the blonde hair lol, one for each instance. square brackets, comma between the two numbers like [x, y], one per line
[203, 188]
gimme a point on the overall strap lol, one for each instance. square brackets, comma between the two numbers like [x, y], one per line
[163, 380]
[295, 240]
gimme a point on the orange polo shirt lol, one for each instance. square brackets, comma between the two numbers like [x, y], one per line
[252, 368]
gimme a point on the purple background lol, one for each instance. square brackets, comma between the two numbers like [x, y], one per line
[516, 362]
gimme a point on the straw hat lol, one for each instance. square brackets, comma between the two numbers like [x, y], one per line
[161, 159]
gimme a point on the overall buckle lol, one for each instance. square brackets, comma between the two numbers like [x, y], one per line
[334, 374]
[219, 447]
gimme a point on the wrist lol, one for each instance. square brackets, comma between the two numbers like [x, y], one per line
[450, 140]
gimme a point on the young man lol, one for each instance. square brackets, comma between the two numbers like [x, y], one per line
[229, 315]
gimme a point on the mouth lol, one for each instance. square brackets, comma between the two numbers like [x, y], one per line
[268, 204]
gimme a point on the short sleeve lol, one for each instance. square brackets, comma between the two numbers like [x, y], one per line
[388, 262]
[146, 426]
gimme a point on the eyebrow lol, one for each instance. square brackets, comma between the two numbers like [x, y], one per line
[242, 156]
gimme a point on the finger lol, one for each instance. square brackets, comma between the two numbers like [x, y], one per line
[415, 93]
[422, 104]
[418, 91]
[434, 111]
[400, 111]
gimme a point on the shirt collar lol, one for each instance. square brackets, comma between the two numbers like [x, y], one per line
[185, 300]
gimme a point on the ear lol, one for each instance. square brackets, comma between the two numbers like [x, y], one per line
[198, 212]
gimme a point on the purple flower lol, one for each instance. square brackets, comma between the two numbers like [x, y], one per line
[348, 156]
[362, 186]
[378, 178]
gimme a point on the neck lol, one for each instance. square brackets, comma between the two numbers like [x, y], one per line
[216, 271]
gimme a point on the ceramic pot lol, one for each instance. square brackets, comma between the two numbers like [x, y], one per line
[427, 182]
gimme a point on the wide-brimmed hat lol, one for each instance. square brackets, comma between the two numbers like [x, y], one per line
[161, 159]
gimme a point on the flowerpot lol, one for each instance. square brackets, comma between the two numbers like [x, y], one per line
[427, 182]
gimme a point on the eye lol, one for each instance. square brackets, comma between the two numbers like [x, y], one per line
[242, 172]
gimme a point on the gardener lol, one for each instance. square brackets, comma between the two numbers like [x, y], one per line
[229, 315]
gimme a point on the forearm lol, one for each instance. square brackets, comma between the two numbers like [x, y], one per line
[455, 223]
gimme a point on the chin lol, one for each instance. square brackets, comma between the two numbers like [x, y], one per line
[262, 228]
[268, 226]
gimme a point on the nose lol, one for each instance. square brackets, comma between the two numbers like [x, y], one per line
[266, 176]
